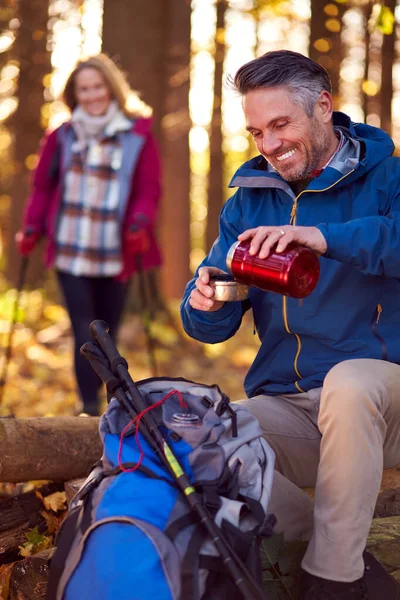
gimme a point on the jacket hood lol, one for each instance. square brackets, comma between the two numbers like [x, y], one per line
[374, 146]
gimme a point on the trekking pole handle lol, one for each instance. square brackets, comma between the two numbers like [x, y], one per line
[99, 331]
[91, 351]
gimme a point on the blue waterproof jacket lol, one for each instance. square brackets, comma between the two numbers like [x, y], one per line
[354, 311]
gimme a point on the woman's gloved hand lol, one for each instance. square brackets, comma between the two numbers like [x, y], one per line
[137, 240]
[26, 241]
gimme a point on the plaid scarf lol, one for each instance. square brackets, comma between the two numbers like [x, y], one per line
[88, 239]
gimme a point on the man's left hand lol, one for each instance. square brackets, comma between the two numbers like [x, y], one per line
[264, 238]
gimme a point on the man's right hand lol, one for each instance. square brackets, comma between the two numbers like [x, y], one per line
[202, 297]
[26, 241]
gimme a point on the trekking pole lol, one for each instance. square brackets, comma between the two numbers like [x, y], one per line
[7, 357]
[148, 427]
[146, 315]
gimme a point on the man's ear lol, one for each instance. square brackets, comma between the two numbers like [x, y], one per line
[324, 106]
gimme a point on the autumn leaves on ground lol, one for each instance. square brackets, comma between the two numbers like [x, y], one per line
[40, 375]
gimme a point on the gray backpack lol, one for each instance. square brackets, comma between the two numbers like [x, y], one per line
[130, 533]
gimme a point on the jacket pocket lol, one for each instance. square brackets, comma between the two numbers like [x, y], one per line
[374, 326]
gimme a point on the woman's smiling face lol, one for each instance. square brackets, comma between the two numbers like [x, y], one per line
[92, 92]
[291, 141]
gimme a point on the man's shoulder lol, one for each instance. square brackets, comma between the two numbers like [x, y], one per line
[390, 165]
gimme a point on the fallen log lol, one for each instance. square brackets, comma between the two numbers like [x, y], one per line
[388, 503]
[51, 448]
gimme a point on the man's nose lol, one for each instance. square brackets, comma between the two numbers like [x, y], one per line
[270, 143]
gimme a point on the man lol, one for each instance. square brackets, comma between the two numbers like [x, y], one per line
[325, 384]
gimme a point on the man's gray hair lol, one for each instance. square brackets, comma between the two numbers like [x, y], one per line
[304, 78]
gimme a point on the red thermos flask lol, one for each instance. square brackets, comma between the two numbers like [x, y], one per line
[293, 272]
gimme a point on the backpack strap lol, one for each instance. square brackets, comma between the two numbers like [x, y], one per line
[68, 528]
[190, 565]
[190, 561]
[174, 528]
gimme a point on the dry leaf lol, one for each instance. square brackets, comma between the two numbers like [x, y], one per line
[52, 521]
[39, 495]
[26, 550]
[36, 542]
[55, 502]
[29, 549]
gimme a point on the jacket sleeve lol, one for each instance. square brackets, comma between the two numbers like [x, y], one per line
[220, 325]
[371, 244]
[146, 185]
[44, 181]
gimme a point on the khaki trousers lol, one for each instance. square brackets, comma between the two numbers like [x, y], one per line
[337, 438]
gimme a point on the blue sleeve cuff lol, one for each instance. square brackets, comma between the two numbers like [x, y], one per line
[212, 327]
[337, 241]
[227, 311]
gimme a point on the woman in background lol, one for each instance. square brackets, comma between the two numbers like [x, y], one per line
[95, 197]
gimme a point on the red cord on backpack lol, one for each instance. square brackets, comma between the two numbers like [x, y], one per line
[136, 421]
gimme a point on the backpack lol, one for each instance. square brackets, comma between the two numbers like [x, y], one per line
[131, 535]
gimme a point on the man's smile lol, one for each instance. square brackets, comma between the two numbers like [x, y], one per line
[286, 155]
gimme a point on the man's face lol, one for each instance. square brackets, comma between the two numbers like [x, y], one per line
[291, 141]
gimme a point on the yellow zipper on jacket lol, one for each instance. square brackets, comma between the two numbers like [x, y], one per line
[293, 218]
[296, 335]
[378, 312]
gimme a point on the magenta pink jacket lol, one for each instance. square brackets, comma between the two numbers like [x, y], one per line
[43, 205]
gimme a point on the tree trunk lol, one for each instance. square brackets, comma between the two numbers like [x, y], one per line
[128, 28]
[8, 11]
[34, 60]
[175, 213]
[161, 74]
[325, 45]
[216, 174]
[55, 448]
[367, 38]
[388, 59]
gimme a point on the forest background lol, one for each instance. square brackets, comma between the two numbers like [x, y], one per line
[177, 54]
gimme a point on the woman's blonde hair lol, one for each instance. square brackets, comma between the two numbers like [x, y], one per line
[127, 99]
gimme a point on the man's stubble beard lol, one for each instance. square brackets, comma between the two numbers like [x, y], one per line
[316, 154]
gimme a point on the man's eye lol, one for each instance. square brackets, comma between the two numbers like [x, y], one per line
[281, 125]
[256, 134]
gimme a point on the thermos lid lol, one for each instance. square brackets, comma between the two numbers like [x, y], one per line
[230, 254]
[227, 289]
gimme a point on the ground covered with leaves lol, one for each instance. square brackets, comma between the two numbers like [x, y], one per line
[40, 377]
